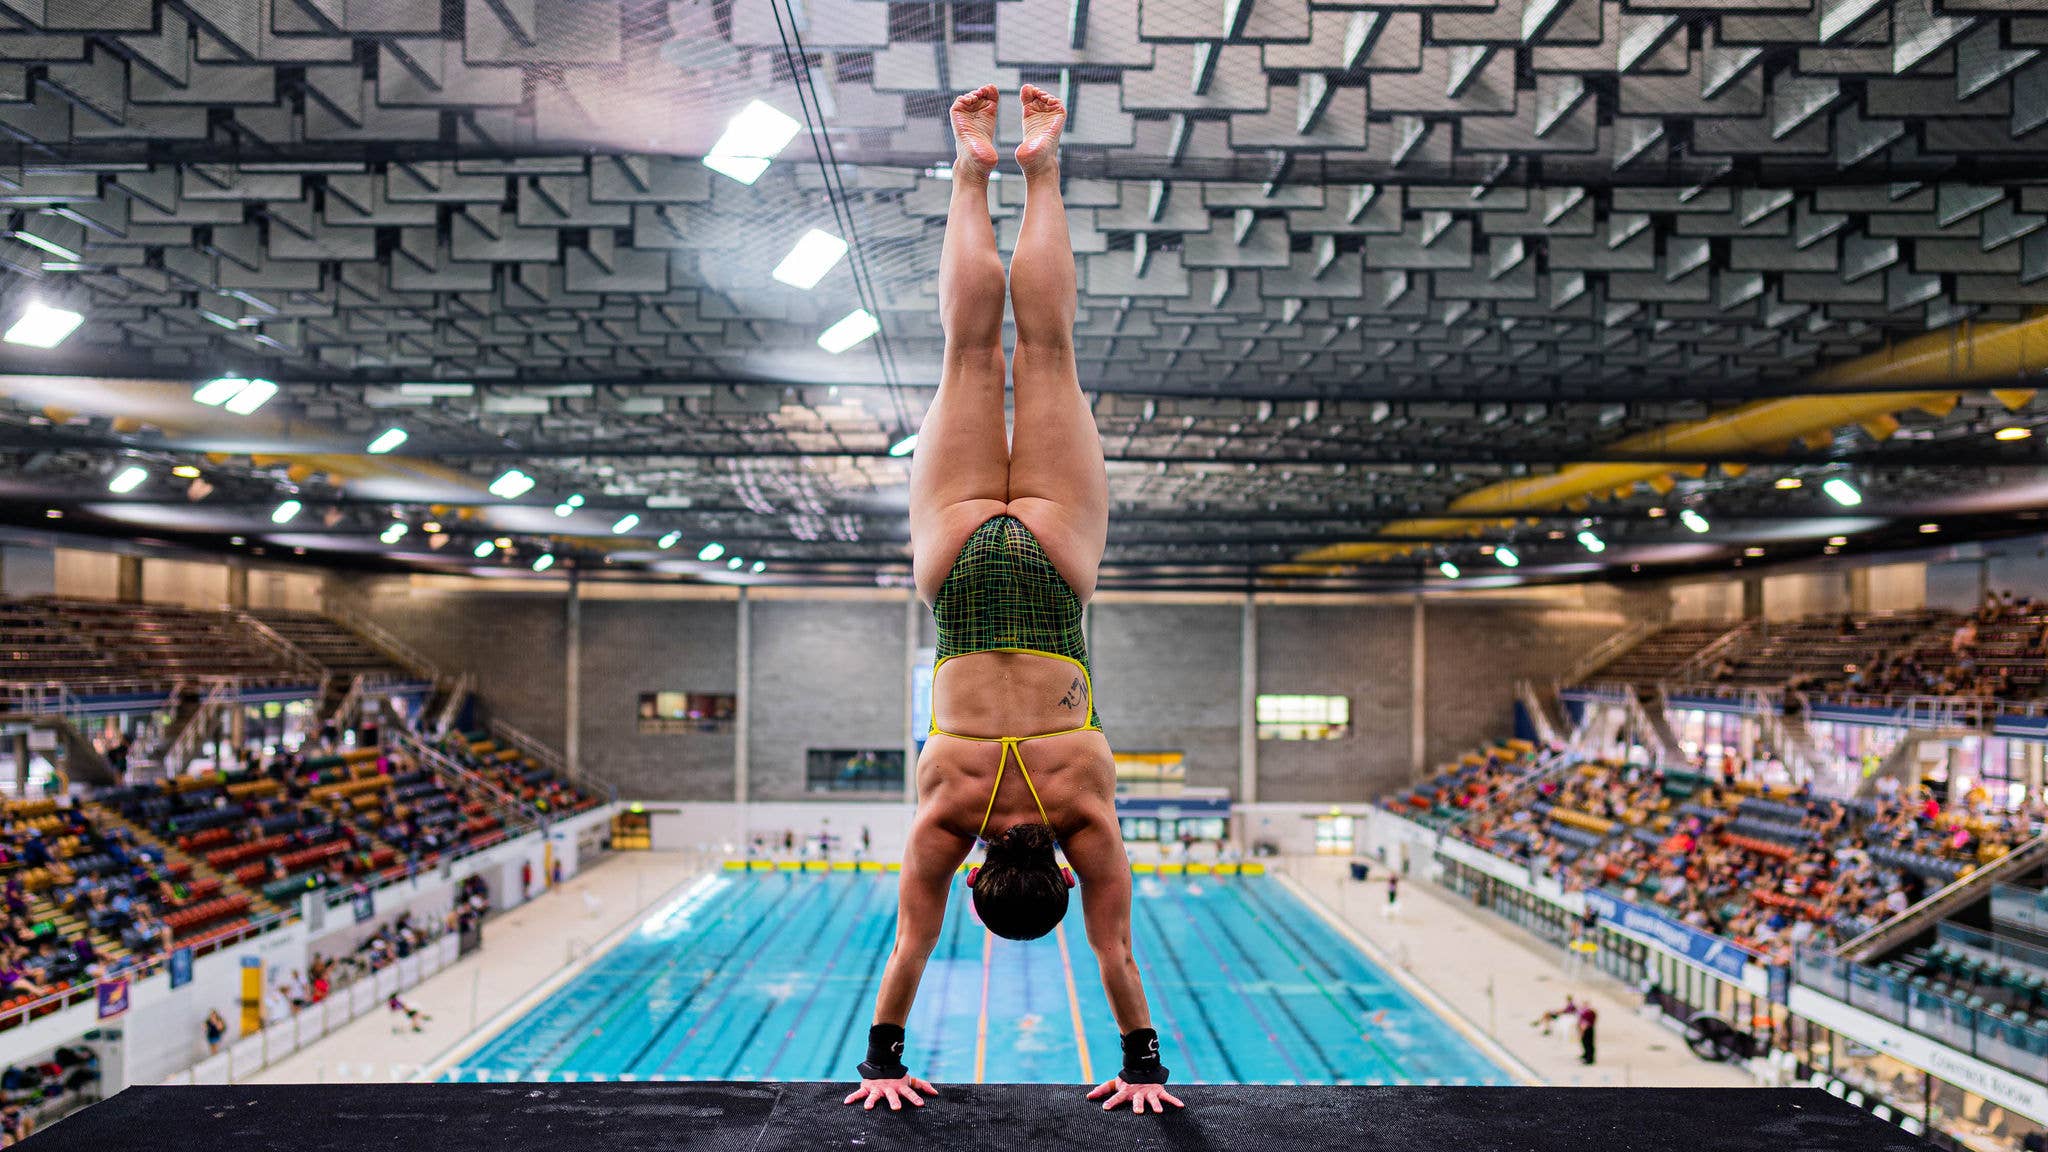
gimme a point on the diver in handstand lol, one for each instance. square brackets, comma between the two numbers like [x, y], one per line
[1007, 533]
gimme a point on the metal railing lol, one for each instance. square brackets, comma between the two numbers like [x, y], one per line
[1936, 906]
[1990, 1037]
[302, 663]
[351, 701]
[1696, 665]
[381, 639]
[458, 691]
[178, 752]
[468, 780]
[1608, 649]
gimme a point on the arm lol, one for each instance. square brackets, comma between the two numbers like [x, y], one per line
[1097, 854]
[931, 860]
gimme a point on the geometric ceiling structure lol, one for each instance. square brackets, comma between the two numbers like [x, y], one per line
[1342, 264]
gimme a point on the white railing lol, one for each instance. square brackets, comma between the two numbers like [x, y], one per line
[1696, 665]
[350, 703]
[458, 691]
[301, 663]
[179, 752]
[467, 780]
[381, 639]
[1608, 649]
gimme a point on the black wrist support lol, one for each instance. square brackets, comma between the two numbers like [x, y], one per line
[885, 1054]
[1141, 1058]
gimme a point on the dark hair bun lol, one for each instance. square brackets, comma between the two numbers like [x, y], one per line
[1021, 846]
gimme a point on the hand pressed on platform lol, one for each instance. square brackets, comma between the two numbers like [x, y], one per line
[1138, 1095]
[894, 1091]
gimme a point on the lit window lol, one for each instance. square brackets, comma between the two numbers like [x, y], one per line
[1304, 717]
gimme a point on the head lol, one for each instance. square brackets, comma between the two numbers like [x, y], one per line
[1020, 890]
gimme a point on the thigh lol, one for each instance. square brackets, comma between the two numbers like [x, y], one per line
[960, 473]
[1059, 486]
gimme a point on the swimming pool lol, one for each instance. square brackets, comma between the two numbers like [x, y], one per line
[772, 977]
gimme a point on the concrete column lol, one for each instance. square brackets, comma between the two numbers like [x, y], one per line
[1248, 701]
[238, 585]
[1418, 695]
[572, 677]
[21, 755]
[913, 616]
[742, 696]
[1752, 597]
[128, 579]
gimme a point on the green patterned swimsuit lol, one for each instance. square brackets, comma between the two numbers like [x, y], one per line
[1004, 595]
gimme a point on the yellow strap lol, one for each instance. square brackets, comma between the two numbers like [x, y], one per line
[1087, 685]
[1012, 746]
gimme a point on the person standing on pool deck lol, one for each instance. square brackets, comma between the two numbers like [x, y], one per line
[1007, 533]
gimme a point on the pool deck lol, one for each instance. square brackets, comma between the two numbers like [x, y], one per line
[742, 1117]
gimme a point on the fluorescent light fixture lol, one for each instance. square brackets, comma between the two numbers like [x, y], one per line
[219, 391]
[1842, 492]
[1591, 542]
[431, 527]
[905, 446]
[42, 326]
[386, 441]
[483, 549]
[1449, 570]
[575, 500]
[669, 541]
[1787, 483]
[565, 509]
[255, 395]
[436, 388]
[1507, 557]
[626, 523]
[1656, 513]
[711, 551]
[2010, 432]
[817, 253]
[1837, 541]
[1752, 552]
[128, 479]
[50, 246]
[858, 325]
[512, 485]
[285, 512]
[751, 139]
[1694, 521]
[1929, 529]
[734, 563]
[186, 472]
[544, 561]
[394, 532]
[759, 567]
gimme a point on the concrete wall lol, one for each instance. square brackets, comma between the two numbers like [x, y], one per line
[635, 646]
[1168, 681]
[1364, 651]
[1476, 652]
[827, 673]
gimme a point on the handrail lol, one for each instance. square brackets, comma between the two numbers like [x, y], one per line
[381, 638]
[350, 702]
[302, 662]
[553, 761]
[1864, 949]
[438, 761]
[174, 755]
[1609, 648]
[459, 691]
[1712, 651]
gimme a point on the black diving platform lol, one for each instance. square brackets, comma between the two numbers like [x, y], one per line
[781, 1117]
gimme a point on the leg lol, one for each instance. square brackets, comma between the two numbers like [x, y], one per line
[1058, 485]
[960, 474]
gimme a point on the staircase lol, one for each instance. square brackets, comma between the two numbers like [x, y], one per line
[1653, 721]
[82, 763]
[1546, 712]
[260, 906]
[1944, 903]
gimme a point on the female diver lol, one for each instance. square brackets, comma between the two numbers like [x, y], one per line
[1007, 533]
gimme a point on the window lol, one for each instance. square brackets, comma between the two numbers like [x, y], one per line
[854, 770]
[1304, 717]
[674, 713]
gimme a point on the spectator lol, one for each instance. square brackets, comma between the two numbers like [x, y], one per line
[216, 1030]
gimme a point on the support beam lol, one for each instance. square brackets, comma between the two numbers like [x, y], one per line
[128, 579]
[743, 674]
[572, 677]
[1418, 693]
[1248, 701]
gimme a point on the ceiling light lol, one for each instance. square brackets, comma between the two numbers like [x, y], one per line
[512, 485]
[817, 253]
[219, 391]
[751, 139]
[186, 472]
[1656, 513]
[387, 440]
[503, 542]
[575, 500]
[626, 523]
[1507, 557]
[1694, 521]
[128, 479]
[1787, 483]
[1842, 492]
[53, 514]
[483, 549]
[432, 388]
[1929, 529]
[711, 551]
[858, 325]
[50, 246]
[1592, 543]
[1449, 570]
[2012, 432]
[1837, 541]
[759, 567]
[42, 326]
[394, 532]
[669, 541]
[565, 509]
[544, 561]
[254, 395]
[431, 527]
[905, 446]
[285, 512]
[734, 563]
[1752, 551]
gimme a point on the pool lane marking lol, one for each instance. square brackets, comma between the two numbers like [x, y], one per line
[806, 949]
[1262, 917]
[876, 955]
[483, 1034]
[818, 985]
[1252, 1008]
[1059, 932]
[1157, 995]
[988, 950]
[1444, 1010]
[732, 980]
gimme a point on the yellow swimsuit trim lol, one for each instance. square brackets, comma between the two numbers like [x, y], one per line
[1012, 745]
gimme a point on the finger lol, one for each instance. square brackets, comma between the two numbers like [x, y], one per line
[870, 1105]
[1170, 1098]
[1101, 1090]
[856, 1094]
[1138, 1105]
[925, 1086]
[911, 1095]
[1122, 1094]
[895, 1104]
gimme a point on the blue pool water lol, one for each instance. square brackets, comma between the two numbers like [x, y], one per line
[772, 977]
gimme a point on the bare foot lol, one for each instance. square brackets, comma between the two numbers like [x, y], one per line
[974, 130]
[1044, 116]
